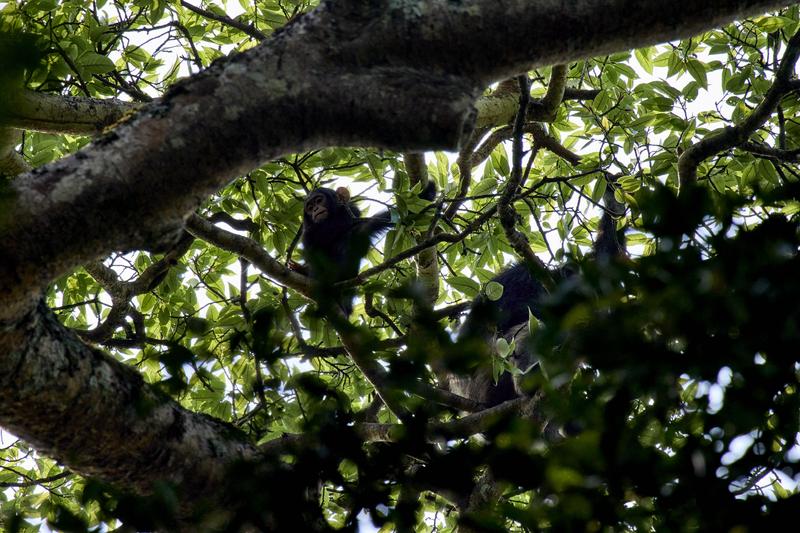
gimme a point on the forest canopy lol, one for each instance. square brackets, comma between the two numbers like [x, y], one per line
[562, 292]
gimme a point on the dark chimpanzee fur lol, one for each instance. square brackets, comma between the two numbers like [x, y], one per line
[507, 317]
[336, 239]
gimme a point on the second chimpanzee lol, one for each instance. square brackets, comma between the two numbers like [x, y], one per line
[508, 316]
[336, 238]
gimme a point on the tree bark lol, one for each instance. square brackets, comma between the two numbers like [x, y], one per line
[87, 410]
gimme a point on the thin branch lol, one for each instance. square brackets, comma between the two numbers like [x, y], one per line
[762, 150]
[122, 291]
[459, 428]
[228, 21]
[33, 482]
[361, 353]
[374, 312]
[188, 36]
[473, 226]
[248, 249]
[570, 93]
[465, 165]
[730, 136]
[508, 216]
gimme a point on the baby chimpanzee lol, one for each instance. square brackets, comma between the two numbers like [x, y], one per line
[507, 317]
[336, 239]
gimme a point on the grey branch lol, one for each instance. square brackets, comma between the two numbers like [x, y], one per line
[55, 113]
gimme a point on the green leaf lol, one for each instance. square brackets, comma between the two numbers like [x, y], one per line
[697, 69]
[533, 324]
[675, 64]
[493, 290]
[602, 102]
[630, 184]
[137, 55]
[771, 24]
[599, 189]
[41, 6]
[644, 58]
[766, 170]
[737, 83]
[485, 186]
[500, 160]
[92, 63]
[780, 490]
[502, 348]
[464, 284]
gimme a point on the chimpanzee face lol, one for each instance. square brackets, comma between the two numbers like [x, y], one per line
[318, 207]
[329, 206]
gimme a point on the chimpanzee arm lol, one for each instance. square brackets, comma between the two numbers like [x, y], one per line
[429, 192]
[376, 224]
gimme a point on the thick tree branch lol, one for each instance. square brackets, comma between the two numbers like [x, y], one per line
[53, 113]
[545, 109]
[500, 107]
[11, 163]
[540, 138]
[58, 379]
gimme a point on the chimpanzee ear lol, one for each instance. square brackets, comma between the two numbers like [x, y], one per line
[343, 195]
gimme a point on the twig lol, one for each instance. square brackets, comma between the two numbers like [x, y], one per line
[246, 28]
